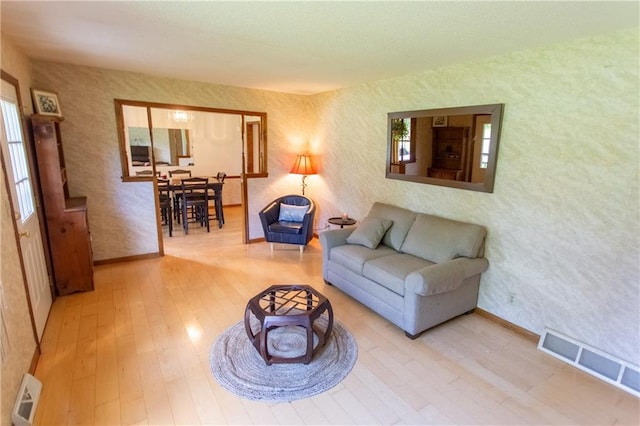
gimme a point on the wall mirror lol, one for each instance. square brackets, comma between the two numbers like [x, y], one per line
[156, 138]
[454, 147]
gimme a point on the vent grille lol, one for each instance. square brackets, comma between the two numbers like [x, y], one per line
[26, 402]
[595, 362]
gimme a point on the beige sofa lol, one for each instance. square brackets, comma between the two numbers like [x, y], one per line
[414, 269]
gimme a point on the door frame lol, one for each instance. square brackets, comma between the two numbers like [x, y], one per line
[35, 183]
[244, 176]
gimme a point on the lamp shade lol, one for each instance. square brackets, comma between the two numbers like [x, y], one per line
[303, 166]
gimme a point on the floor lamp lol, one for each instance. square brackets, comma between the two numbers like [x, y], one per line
[304, 167]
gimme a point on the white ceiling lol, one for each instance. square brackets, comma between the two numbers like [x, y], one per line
[296, 47]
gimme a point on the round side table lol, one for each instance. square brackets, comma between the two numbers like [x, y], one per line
[342, 222]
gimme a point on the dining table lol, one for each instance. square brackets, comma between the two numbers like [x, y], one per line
[215, 188]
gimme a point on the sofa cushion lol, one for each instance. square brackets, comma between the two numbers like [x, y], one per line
[402, 221]
[291, 213]
[391, 271]
[438, 239]
[286, 227]
[370, 232]
[354, 256]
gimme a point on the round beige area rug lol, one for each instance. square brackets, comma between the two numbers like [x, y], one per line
[239, 368]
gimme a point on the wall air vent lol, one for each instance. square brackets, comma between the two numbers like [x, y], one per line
[595, 362]
[26, 402]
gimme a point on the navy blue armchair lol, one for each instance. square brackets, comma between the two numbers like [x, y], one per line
[288, 220]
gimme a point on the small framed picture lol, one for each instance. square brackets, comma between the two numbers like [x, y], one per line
[440, 121]
[46, 103]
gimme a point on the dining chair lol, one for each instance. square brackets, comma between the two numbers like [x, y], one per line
[217, 199]
[164, 196]
[195, 202]
[178, 173]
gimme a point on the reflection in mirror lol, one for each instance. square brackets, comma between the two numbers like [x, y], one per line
[170, 146]
[253, 145]
[161, 137]
[455, 147]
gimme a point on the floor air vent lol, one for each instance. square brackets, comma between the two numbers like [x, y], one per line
[595, 362]
[26, 402]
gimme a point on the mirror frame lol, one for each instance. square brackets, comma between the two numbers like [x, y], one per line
[496, 120]
[124, 161]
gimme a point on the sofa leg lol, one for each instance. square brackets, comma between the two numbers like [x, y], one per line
[412, 336]
[301, 249]
[327, 283]
[271, 246]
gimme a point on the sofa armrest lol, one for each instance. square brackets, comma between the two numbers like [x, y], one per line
[307, 222]
[443, 277]
[329, 240]
[269, 214]
[334, 237]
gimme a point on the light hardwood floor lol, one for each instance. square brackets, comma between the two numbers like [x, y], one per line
[136, 351]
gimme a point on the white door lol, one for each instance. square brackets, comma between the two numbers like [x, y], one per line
[14, 155]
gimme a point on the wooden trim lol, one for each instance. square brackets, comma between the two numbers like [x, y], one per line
[34, 360]
[156, 199]
[529, 335]
[127, 258]
[188, 107]
[244, 196]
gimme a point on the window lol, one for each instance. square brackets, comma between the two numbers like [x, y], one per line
[17, 153]
[404, 140]
[486, 144]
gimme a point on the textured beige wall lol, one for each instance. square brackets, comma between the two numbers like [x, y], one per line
[19, 340]
[563, 220]
[121, 215]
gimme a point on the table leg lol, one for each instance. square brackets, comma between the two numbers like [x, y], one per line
[309, 353]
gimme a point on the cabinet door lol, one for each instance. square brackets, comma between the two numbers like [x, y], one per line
[450, 149]
[71, 248]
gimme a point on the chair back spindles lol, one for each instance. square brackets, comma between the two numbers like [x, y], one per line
[195, 202]
[179, 172]
[177, 198]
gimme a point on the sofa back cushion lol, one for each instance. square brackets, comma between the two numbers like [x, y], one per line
[370, 232]
[402, 220]
[438, 239]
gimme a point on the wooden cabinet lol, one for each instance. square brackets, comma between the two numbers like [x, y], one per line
[67, 225]
[445, 174]
[449, 152]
